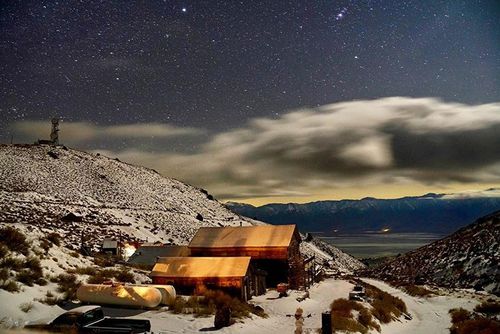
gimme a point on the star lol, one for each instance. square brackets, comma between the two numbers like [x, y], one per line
[184, 9]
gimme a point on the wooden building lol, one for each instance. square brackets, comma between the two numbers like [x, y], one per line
[272, 248]
[231, 274]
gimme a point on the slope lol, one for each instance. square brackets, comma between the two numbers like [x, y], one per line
[469, 258]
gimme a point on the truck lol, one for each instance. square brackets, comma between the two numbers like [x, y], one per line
[91, 319]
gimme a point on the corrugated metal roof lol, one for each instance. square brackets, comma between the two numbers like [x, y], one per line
[244, 236]
[147, 254]
[197, 267]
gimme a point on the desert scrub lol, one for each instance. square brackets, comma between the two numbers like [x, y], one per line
[10, 286]
[67, 284]
[14, 240]
[386, 307]
[465, 322]
[488, 308]
[103, 275]
[417, 291]
[343, 318]
[26, 307]
[205, 302]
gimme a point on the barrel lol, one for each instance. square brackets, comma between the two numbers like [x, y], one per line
[124, 295]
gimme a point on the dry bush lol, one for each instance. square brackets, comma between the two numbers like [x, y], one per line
[10, 286]
[12, 263]
[342, 323]
[83, 271]
[4, 251]
[178, 305]
[385, 305]
[343, 319]
[102, 260]
[26, 307]
[488, 308]
[4, 274]
[365, 318]
[67, 284]
[417, 291]
[14, 240]
[124, 276]
[75, 254]
[31, 273]
[205, 302]
[54, 238]
[459, 315]
[480, 325]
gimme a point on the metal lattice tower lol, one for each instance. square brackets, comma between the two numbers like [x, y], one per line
[54, 134]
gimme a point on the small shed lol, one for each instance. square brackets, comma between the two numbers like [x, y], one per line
[231, 274]
[110, 246]
[149, 254]
[273, 248]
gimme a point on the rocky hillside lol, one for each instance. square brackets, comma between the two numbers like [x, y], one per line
[469, 258]
[79, 194]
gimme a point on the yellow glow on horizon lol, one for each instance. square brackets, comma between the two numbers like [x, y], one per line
[386, 191]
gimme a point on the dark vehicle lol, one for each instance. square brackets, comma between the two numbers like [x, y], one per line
[357, 293]
[91, 319]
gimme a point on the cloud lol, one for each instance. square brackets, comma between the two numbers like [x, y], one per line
[369, 143]
[389, 140]
[77, 133]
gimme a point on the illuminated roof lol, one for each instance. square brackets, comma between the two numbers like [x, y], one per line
[244, 236]
[196, 267]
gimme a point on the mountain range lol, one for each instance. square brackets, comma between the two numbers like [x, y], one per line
[431, 213]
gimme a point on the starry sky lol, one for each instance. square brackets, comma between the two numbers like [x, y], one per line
[248, 98]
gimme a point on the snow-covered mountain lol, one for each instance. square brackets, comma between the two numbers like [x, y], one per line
[76, 193]
[469, 258]
[431, 213]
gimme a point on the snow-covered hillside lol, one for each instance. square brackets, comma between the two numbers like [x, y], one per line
[469, 258]
[40, 185]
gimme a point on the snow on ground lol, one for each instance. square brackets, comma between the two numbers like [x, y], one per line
[430, 315]
[280, 313]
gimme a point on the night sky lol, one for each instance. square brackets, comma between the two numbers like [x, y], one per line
[203, 72]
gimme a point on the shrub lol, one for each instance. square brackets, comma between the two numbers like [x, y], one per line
[124, 276]
[54, 238]
[74, 254]
[12, 263]
[480, 325]
[104, 260]
[417, 291]
[45, 245]
[178, 305]
[10, 286]
[84, 271]
[26, 277]
[365, 318]
[385, 305]
[459, 315]
[26, 307]
[67, 284]
[14, 240]
[4, 274]
[4, 251]
[33, 264]
[488, 308]
[342, 323]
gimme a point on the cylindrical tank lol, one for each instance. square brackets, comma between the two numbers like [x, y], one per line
[126, 295]
[168, 293]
